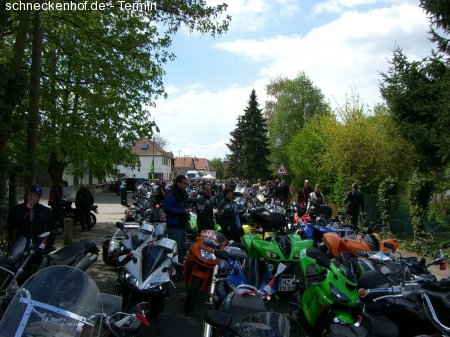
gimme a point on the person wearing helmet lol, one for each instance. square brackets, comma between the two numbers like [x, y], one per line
[31, 218]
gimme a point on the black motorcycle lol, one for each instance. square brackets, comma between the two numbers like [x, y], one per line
[72, 213]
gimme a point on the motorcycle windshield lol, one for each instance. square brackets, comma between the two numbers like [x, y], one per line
[267, 324]
[57, 301]
[213, 239]
[347, 272]
[152, 258]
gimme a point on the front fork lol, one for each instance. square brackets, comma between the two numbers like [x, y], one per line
[211, 295]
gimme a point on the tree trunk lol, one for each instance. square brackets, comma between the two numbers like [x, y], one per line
[11, 99]
[35, 81]
[55, 168]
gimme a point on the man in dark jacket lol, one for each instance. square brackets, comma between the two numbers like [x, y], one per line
[205, 214]
[83, 201]
[31, 217]
[354, 202]
[177, 214]
[228, 216]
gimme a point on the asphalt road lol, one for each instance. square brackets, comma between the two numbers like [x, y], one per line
[173, 321]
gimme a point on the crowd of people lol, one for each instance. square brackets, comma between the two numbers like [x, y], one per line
[178, 198]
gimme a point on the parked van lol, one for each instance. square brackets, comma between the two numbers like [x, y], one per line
[194, 175]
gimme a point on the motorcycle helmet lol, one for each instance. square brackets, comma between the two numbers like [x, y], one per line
[36, 189]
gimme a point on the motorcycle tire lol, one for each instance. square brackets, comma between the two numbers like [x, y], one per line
[156, 306]
[192, 293]
[93, 219]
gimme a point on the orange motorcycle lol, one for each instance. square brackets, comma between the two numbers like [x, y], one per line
[199, 264]
[357, 246]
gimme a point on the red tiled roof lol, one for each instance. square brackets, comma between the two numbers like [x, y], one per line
[201, 164]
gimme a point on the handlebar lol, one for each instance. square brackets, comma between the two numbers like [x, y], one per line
[404, 290]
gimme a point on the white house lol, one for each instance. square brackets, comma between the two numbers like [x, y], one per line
[149, 152]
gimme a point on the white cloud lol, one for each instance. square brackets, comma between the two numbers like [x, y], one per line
[254, 15]
[339, 6]
[350, 51]
[193, 117]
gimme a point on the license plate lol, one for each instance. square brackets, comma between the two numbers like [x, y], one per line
[286, 283]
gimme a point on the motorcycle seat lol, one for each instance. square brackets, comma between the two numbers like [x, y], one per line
[67, 252]
[244, 305]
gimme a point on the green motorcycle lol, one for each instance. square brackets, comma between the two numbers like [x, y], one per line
[327, 298]
[266, 252]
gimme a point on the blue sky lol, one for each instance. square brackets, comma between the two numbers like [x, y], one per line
[341, 45]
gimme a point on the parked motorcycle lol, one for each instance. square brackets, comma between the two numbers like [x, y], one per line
[146, 272]
[29, 255]
[243, 312]
[123, 237]
[266, 254]
[368, 241]
[327, 293]
[63, 301]
[69, 212]
[199, 264]
[411, 308]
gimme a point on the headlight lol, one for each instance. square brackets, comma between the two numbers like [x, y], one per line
[113, 245]
[207, 255]
[337, 295]
[131, 279]
[271, 255]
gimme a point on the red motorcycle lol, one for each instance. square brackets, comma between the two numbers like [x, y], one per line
[200, 262]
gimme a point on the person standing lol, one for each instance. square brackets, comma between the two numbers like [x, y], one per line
[303, 194]
[204, 207]
[283, 192]
[83, 202]
[228, 216]
[31, 217]
[123, 193]
[175, 206]
[354, 203]
[316, 198]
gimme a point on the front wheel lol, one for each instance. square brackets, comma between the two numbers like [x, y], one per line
[192, 293]
[93, 219]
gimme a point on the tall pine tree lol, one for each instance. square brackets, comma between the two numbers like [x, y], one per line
[235, 146]
[249, 143]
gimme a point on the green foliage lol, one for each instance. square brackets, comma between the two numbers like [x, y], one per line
[217, 163]
[363, 148]
[292, 102]
[439, 16]
[418, 97]
[249, 143]
[386, 192]
[420, 191]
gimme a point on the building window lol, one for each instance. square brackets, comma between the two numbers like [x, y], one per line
[144, 146]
